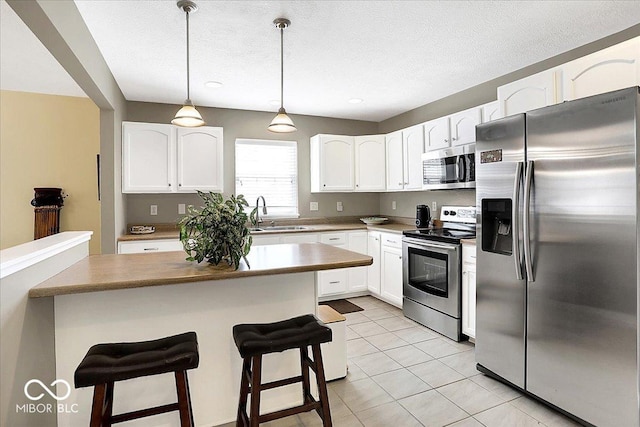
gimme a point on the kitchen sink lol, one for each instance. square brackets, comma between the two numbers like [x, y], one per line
[279, 228]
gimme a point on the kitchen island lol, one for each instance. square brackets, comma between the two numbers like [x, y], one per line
[111, 298]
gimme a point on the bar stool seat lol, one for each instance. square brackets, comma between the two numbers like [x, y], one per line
[255, 340]
[104, 364]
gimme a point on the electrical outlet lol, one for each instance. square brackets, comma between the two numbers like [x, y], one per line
[393, 205]
[182, 209]
[434, 208]
[339, 206]
[153, 210]
[313, 206]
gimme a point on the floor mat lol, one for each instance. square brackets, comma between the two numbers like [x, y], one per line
[342, 306]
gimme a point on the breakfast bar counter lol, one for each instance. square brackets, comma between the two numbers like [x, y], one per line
[139, 297]
[110, 272]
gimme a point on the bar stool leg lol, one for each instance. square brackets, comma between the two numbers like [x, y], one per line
[108, 408]
[322, 386]
[304, 365]
[241, 419]
[97, 409]
[184, 404]
[256, 378]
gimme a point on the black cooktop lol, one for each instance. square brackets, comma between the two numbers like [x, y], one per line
[441, 234]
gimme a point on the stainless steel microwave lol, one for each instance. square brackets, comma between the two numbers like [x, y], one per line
[453, 167]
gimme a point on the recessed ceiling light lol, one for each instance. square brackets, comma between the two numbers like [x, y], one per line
[213, 85]
[355, 100]
[274, 102]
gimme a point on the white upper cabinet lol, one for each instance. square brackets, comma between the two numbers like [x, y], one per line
[616, 67]
[370, 163]
[332, 163]
[413, 147]
[162, 158]
[395, 162]
[437, 134]
[490, 111]
[536, 91]
[404, 159]
[463, 126]
[199, 159]
[148, 158]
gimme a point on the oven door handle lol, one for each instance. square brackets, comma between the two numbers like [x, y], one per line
[424, 244]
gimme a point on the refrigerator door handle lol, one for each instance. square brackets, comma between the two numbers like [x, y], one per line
[515, 226]
[526, 223]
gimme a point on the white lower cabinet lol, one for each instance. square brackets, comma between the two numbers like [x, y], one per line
[391, 268]
[357, 242]
[331, 283]
[469, 290]
[373, 271]
[149, 246]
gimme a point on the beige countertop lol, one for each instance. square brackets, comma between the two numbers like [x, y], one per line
[314, 228]
[468, 241]
[109, 272]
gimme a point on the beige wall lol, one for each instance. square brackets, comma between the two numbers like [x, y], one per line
[48, 141]
[253, 124]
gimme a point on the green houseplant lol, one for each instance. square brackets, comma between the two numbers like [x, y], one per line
[217, 231]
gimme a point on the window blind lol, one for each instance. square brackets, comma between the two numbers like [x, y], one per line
[270, 169]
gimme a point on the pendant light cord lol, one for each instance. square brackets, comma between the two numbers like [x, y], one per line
[281, 67]
[188, 88]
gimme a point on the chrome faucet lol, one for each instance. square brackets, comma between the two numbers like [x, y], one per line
[264, 209]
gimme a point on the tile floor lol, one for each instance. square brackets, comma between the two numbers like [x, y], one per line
[402, 374]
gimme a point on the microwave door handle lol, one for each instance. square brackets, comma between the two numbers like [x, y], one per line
[526, 221]
[462, 168]
[458, 162]
[515, 221]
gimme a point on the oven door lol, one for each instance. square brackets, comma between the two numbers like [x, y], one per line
[431, 274]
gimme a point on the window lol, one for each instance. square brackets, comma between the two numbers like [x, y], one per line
[269, 169]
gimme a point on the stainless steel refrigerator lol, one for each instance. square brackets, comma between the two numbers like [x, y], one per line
[557, 259]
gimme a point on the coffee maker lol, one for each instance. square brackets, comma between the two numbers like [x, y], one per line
[423, 216]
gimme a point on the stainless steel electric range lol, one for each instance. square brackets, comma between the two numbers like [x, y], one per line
[431, 278]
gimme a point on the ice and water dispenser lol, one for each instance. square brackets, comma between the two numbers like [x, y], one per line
[497, 232]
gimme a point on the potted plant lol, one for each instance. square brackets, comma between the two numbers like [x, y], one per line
[217, 231]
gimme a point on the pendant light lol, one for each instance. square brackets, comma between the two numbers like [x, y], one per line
[282, 123]
[188, 116]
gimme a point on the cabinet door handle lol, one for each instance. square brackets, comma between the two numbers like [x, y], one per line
[446, 140]
[151, 249]
[334, 238]
[179, 185]
[399, 183]
[454, 139]
[324, 185]
[357, 185]
[400, 257]
[334, 282]
[406, 183]
[169, 184]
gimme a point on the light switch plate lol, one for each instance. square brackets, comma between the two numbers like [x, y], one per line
[153, 210]
[434, 208]
[339, 206]
[313, 206]
[393, 205]
[181, 209]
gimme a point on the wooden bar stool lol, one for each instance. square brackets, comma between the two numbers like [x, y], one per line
[255, 340]
[105, 364]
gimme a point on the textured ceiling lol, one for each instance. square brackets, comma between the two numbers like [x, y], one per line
[396, 55]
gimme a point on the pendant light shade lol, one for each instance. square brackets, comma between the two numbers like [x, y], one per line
[188, 116]
[282, 123]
